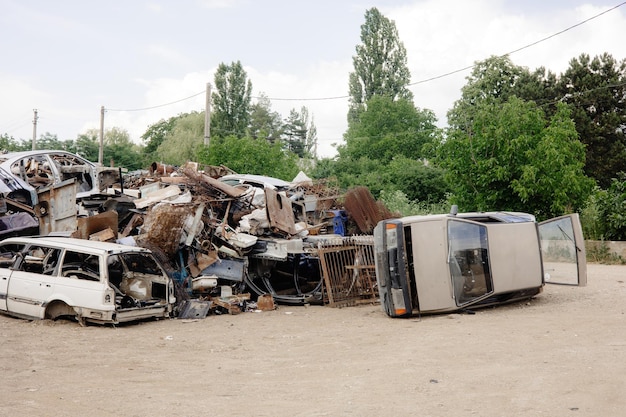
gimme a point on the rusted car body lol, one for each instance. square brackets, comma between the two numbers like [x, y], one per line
[445, 263]
[24, 173]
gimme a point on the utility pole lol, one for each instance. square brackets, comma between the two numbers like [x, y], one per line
[35, 117]
[101, 150]
[207, 116]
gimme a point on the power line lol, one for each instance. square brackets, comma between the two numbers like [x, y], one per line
[17, 122]
[503, 55]
[523, 47]
[160, 105]
[437, 77]
[307, 99]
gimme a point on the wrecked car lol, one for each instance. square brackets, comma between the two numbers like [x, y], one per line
[98, 282]
[458, 261]
[24, 173]
[259, 181]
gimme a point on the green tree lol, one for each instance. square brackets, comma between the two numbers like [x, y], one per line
[264, 123]
[300, 133]
[595, 89]
[380, 64]
[50, 141]
[231, 101]
[361, 171]
[511, 158]
[419, 181]
[155, 135]
[250, 156]
[184, 140]
[611, 209]
[497, 79]
[87, 145]
[388, 128]
[7, 143]
[493, 80]
[540, 86]
[120, 151]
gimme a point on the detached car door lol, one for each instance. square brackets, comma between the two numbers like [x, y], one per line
[563, 251]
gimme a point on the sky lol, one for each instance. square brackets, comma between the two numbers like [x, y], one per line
[144, 61]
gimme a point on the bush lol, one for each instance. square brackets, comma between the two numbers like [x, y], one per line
[604, 216]
[397, 202]
[602, 254]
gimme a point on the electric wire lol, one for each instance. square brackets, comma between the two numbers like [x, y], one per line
[522, 47]
[159, 105]
[437, 77]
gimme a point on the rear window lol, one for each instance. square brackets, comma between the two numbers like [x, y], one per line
[141, 262]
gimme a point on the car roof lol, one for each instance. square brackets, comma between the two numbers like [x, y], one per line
[259, 179]
[84, 245]
[12, 156]
[483, 217]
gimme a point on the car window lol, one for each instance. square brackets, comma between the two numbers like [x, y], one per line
[469, 261]
[71, 166]
[115, 270]
[40, 260]
[141, 262]
[81, 266]
[9, 254]
[35, 170]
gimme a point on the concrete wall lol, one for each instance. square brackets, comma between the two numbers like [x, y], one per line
[616, 247]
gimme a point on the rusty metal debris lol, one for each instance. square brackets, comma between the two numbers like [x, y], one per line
[231, 243]
[365, 210]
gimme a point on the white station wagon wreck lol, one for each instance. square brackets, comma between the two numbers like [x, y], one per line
[98, 282]
[459, 261]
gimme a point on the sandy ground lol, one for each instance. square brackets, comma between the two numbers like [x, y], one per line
[560, 354]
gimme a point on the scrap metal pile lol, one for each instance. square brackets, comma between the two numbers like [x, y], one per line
[235, 242]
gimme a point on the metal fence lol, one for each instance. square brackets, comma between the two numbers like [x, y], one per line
[348, 270]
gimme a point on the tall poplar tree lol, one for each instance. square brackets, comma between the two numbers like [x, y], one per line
[231, 101]
[380, 64]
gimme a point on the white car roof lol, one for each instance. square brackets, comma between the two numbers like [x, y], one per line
[84, 245]
[12, 156]
[259, 179]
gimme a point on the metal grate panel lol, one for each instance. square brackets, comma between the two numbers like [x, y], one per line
[348, 269]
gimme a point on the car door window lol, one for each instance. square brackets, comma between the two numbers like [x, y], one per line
[35, 170]
[40, 260]
[71, 166]
[9, 254]
[563, 251]
[81, 266]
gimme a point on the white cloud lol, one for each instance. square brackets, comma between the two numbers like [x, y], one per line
[440, 36]
[167, 54]
[218, 4]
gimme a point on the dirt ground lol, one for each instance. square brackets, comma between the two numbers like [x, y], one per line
[560, 354]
